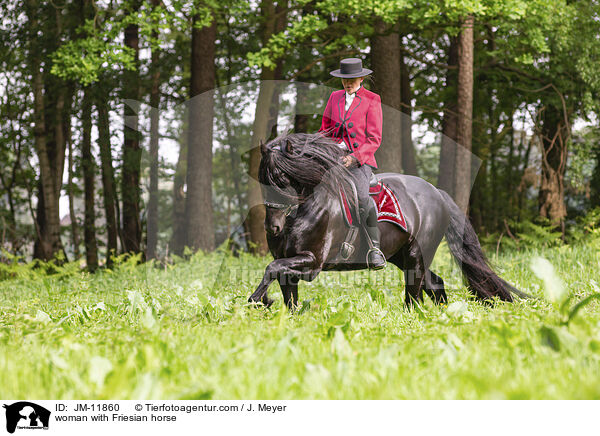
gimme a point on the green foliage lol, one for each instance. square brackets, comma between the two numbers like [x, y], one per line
[99, 48]
[530, 235]
[185, 331]
[85, 59]
[16, 267]
[582, 162]
[587, 229]
[540, 234]
[280, 43]
[420, 15]
[559, 337]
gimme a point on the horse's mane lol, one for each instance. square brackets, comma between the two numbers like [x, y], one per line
[304, 161]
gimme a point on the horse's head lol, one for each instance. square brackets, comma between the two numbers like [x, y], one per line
[291, 167]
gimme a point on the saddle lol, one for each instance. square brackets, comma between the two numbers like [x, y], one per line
[388, 209]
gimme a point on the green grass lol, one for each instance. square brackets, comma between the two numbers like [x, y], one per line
[185, 332]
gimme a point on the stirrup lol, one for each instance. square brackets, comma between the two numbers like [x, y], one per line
[375, 249]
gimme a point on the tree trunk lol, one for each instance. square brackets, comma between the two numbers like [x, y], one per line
[48, 137]
[89, 167]
[462, 177]
[595, 182]
[449, 120]
[152, 223]
[177, 242]
[303, 109]
[260, 132]
[300, 118]
[409, 162]
[198, 208]
[72, 216]
[554, 162]
[303, 105]
[48, 217]
[132, 153]
[522, 188]
[385, 61]
[108, 180]
[234, 158]
[11, 184]
[511, 170]
[493, 169]
[280, 21]
[478, 204]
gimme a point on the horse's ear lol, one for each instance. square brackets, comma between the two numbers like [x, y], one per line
[288, 146]
[263, 147]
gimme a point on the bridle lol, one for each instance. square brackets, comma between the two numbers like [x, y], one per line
[287, 208]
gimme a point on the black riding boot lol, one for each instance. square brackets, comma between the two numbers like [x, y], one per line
[375, 257]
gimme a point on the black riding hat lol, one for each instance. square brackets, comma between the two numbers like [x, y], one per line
[351, 68]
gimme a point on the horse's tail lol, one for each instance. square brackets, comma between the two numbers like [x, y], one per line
[465, 247]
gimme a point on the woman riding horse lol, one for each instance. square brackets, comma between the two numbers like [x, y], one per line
[301, 175]
[353, 118]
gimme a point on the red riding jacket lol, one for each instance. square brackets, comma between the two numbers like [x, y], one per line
[359, 127]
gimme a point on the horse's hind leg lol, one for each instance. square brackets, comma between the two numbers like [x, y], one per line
[434, 287]
[414, 276]
[289, 289]
[414, 281]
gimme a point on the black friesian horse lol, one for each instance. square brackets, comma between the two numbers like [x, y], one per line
[301, 175]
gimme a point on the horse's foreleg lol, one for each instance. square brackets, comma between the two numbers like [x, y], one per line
[289, 289]
[302, 264]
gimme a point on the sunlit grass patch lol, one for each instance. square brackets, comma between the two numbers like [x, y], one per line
[186, 331]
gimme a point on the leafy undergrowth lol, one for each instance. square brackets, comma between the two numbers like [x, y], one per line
[185, 332]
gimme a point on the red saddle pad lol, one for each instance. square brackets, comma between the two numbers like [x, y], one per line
[388, 207]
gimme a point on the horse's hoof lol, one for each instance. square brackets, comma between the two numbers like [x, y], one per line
[267, 302]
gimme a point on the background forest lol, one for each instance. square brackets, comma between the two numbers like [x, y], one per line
[129, 132]
[100, 154]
